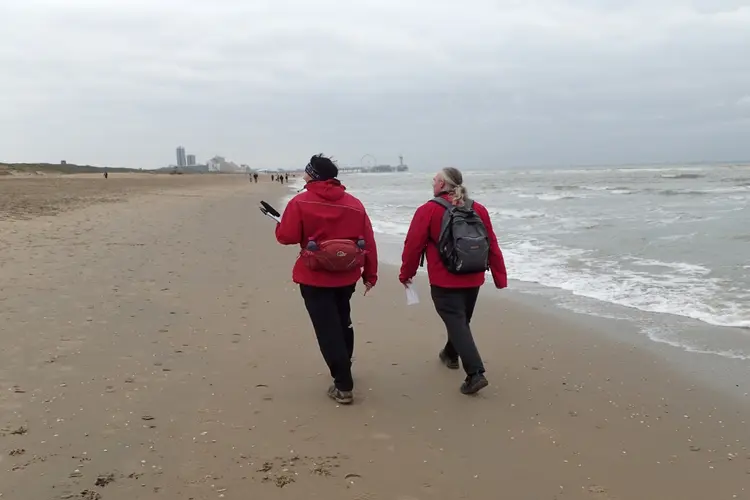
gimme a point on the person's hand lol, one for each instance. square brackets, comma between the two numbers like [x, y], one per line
[406, 283]
[368, 287]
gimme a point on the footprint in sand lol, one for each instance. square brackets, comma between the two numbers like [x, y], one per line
[546, 431]
[599, 493]
[380, 436]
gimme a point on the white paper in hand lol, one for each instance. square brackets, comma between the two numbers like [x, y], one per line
[411, 295]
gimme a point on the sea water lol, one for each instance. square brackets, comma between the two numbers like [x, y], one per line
[669, 246]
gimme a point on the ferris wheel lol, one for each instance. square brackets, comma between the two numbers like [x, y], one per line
[368, 161]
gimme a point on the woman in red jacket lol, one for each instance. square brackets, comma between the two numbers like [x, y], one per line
[338, 248]
[456, 270]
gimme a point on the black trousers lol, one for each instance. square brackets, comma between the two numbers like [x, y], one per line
[455, 307]
[330, 313]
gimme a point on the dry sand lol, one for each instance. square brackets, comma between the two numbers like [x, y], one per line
[26, 196]
[155, 348]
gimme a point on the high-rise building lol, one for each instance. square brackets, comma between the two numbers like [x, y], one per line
[191, 160]
[181, 160]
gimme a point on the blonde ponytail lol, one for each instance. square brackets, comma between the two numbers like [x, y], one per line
[454, 184]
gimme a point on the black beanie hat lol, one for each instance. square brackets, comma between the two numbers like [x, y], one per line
[321, 168]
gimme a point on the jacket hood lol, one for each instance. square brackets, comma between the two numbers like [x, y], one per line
[330, 190]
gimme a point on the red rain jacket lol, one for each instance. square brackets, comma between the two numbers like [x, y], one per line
[424, 232]
[325, 211]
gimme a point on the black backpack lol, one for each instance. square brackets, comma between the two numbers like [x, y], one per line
[463, 244]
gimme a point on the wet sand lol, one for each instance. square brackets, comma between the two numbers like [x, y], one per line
[155, 347]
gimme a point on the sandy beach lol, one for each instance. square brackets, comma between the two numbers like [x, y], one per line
[154, 347]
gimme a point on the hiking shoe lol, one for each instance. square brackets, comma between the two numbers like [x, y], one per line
[341, 397]
[448, 361]
[474, 384]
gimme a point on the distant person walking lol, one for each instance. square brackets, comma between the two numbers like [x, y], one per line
[255, 177]
[338, 249]
[456, 236]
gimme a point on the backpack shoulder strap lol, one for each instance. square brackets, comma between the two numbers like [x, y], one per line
[468, 203]
[442, 201]
[447, 214]
[448, 206]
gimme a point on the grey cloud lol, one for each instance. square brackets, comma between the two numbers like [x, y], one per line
[270, 82]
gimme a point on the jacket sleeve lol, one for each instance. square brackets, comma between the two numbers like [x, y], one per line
[289, 230]
[370, 272]
[415, 243]
[497, 262]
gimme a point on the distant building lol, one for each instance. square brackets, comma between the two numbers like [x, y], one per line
[220, 164]
[401, 167]
[214, 164]
[201, 169]
[181, 160]
[191, 160]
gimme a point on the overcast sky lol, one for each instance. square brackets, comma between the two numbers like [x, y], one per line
[270, 82]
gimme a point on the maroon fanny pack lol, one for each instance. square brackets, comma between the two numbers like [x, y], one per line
[335, 256]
